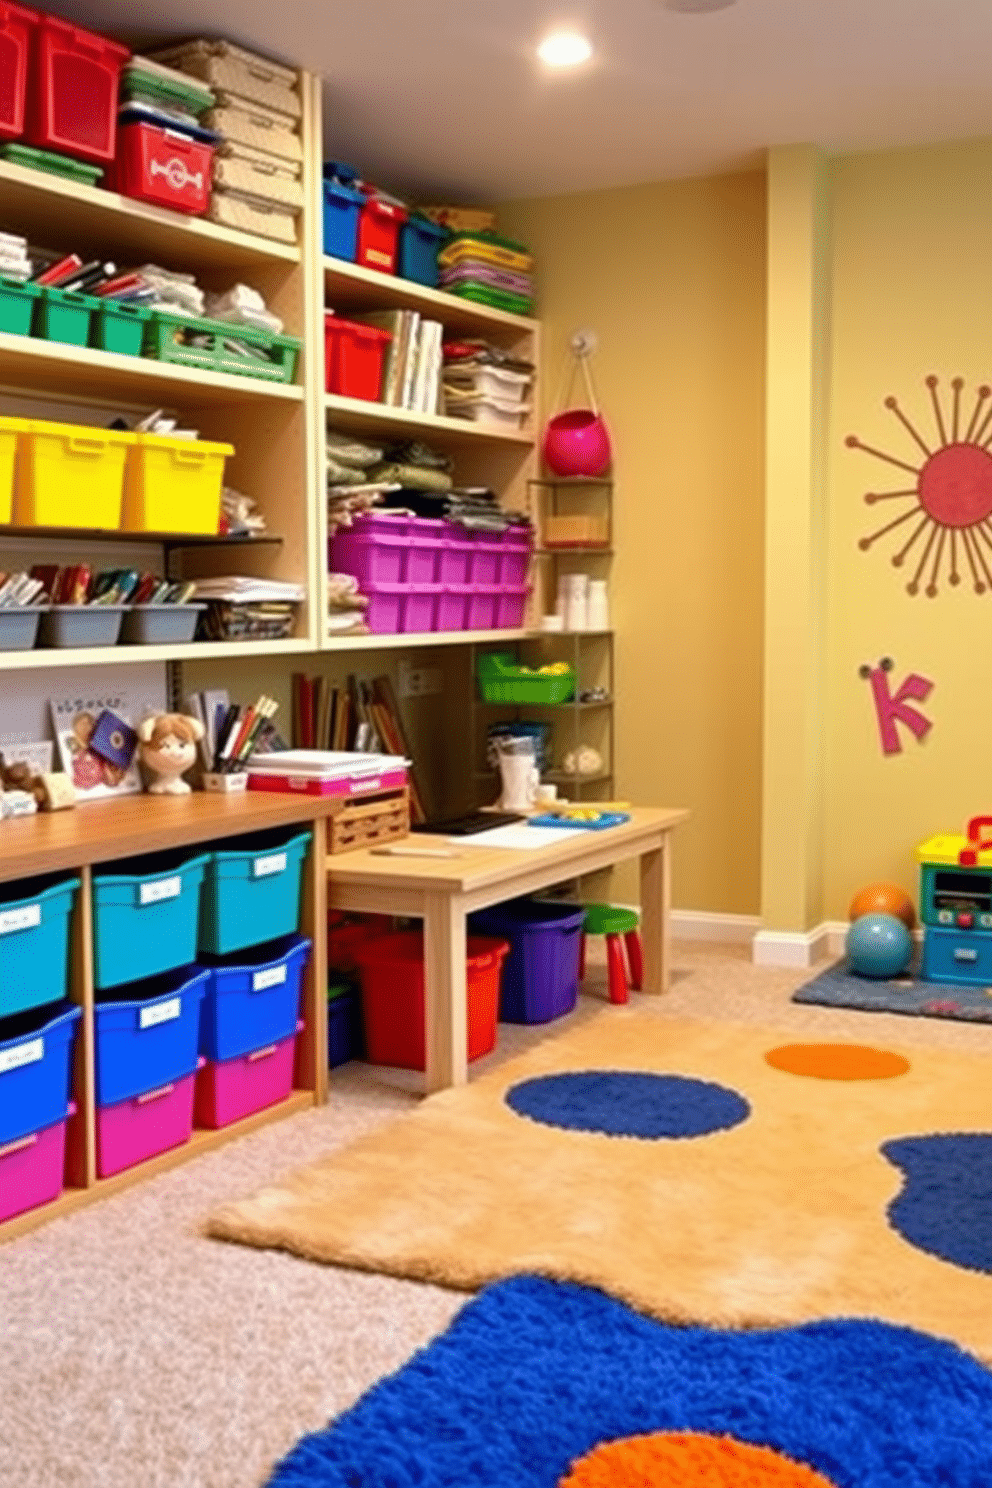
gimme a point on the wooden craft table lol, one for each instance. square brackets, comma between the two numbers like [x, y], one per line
[442, 891]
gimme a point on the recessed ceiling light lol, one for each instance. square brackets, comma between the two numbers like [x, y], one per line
[694, 7]
[565, 49]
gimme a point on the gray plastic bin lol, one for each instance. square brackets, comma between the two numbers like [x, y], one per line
[19, 627]
[160, 624]
[80, 625]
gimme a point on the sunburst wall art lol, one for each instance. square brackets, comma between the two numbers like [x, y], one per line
[948, 503]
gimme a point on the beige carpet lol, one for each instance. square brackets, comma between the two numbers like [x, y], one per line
[774, 1221]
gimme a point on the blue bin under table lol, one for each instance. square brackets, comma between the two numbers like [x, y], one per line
[148, 1034]
[420, 243]
[34, 941]
[252, 892]
[345, 1028]
[35, 1069]
[342, 208]
[253, 999]
[541, 973]
[146, 914]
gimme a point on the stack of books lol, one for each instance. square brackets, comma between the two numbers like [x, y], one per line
[326, 772]
[411, 370]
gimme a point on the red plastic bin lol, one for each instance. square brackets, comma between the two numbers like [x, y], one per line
[72, 98]
[379, 224]
[165, 167]
[353, 358]
[16, 25]
[392, 973]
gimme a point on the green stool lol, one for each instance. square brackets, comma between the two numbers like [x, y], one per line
[613, 922]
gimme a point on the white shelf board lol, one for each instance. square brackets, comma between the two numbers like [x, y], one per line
[53, 658]
[38, 203]
[358, 415]
[349, 286]
[427, 638]
[56, 368]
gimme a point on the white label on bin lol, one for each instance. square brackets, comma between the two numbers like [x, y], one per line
[24, 917]
[163, 888]
[272, 976]
[358, 786]
[274, 864]
[30, 1053]
[162, 1012]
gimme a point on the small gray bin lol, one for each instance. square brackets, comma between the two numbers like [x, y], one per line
[160, 624]
[80, 625]
[19, 627]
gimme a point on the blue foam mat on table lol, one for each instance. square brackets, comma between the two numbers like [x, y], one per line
[608, 819]
[839, 987]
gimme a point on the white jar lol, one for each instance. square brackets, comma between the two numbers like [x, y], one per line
[576, 601]
[597, 606]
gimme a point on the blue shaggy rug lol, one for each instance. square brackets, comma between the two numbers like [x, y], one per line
[536, 1381]
[836, 986]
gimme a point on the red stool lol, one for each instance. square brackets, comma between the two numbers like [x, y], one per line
[616, 924]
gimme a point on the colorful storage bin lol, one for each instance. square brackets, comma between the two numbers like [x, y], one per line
[16, 27]
[135, 1130]
[69, 475]
[72, 97]
[252, 998]
[541, 975]
[345, 1033]
[71, 626]
[34, 942]
[35, 1069]
[11, 430]
[342, 208]
[354, 355]
[62, 315]
[379, 225]
[146, 916]
[252, 892]
[420, 242]
[237, 1088]
[17, 305]
[164, 167]
[173, 485]
[147, 1034]
[32, 1168]
[119, 327]
[392, 973]
[503, 680]
[172, 337]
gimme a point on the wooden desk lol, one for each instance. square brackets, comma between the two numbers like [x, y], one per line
[442, 891]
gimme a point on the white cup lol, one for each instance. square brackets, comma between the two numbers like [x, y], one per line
[545, 794]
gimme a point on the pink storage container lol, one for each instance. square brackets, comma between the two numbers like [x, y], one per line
[425, 546]
[418, 610]
[481, 609]
[484, 558]
[385, 607]
[373, 550]
[452, 606]
[514, 556]
[235, 1088]
[32, 1169]
[455, 554]
[510, 606]
[134, 1130]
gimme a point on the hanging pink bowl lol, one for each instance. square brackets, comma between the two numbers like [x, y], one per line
[577, 443]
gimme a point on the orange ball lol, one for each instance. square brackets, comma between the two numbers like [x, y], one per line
[883, 898]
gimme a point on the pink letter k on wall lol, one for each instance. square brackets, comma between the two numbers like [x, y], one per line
[895, 707]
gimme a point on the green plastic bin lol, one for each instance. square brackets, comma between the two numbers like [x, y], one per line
[146, 915]
[120, 328]
[55, 165]
[208, 343]
[64, 316]
[253, 891]
[17, 306]
[34, 941]
[502, 680]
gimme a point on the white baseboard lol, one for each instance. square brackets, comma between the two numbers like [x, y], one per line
[701, 924]
[794, 947]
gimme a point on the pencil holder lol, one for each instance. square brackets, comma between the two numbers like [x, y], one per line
[226, 785]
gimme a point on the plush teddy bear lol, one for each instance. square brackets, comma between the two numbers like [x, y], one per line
[167, 749]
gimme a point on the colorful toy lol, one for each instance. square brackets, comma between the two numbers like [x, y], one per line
[883, 898]
[956, 906]
[878, 946]
[167, 750]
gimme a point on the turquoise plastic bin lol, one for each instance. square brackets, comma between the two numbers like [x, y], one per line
[252, 892]
[34, 941]
[146, 919]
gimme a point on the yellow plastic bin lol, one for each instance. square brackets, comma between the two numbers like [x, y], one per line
[10, 431]
[69, 475]
[173, 485]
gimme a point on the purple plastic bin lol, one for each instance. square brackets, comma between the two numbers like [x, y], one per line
[419, 608]
[484, 558]
[385, 607]
[32, 1169]
[481, 607]
[514, 557]
[510, 606]
[373, 550]
[134, 1130]
[424, 547]
[455, 556]
[452, 606]
[541, 973]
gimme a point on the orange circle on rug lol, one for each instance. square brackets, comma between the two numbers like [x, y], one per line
[838, 1061]
[688, 1459]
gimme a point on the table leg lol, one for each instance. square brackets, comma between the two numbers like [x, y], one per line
[445, 996]
[655, 906]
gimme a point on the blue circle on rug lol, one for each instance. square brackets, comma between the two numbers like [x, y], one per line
[946, 1199]
[627, 1103]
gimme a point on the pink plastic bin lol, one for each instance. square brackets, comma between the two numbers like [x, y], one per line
[484, 558]
[32, 1169]
[373, 549]
[481, 608]
[455, 556]
[16, 25]
[135, 1130]
[514, 557]
[452, 605]
[419, 608]
[510, 606]
[425, 546]
[72, 93]
[236, 1088]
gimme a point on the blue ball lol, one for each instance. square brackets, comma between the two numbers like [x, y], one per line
[879, 946]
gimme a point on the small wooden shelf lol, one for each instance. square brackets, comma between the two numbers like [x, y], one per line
[355, 415]
[349, 286]
[426, 638]
[132, 539]
[50, 658]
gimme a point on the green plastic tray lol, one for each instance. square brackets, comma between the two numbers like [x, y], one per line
[501, 680]
[63, 316]
[17, 302]
[148, 87]
[119, 328]
[56, 165]
[496, 299]
[168, 339]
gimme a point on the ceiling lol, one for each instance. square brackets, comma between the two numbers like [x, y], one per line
[444, 98]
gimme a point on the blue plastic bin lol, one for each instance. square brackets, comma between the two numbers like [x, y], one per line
[145, 920]
[35, 1069]
[420, 243]
[253, 1000]
[148, 1034]
[252, 893]
[345, 1030]
[34, 942]
[342, 208]
[541, 974]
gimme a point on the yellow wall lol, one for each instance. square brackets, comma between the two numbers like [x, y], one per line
[671, 278]
[912, 250]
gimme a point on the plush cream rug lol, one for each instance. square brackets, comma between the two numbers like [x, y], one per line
[778, 1219]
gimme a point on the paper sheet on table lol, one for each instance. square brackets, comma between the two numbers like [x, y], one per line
[517, 836]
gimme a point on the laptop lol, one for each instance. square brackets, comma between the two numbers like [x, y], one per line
[469, 823]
